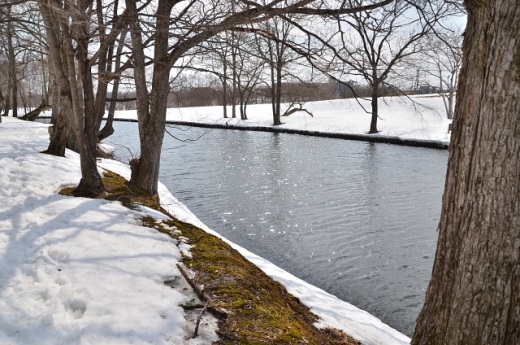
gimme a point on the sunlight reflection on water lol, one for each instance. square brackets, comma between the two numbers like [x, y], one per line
[356, 219]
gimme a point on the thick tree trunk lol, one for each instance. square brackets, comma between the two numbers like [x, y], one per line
[152, 114]
[62, 58]
[145, 173]
[59, 132]
[473, 296]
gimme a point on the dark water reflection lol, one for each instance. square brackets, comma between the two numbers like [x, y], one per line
[356, 219]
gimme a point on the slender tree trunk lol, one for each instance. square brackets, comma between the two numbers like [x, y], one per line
[451, 93]
[474, 293]
[7, 106]
[108, 129]
[234, 76]
[277, 120]
[13, 80]
[375, 110]
[224, 88]
[2, 104]
[272, 70]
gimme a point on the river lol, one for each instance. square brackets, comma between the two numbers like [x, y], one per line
[356, 219]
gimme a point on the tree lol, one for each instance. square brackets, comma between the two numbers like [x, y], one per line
[248, 70]
[278, 55]
[443, 54]
[71, 40]
[374, 43]
[473, 296]
[190, 24]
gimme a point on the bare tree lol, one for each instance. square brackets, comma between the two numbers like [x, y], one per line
[69, 37]
[473, 296]
[278, 54]
[11, 97]
[189, 23]
[443, 53]
[374, 43]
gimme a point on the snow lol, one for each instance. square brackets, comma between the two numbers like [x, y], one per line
[419, 117]
[83, 271]
[79, 271]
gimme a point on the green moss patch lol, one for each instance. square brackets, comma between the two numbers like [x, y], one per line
[260, 310]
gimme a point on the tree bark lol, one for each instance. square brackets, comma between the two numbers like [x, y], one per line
[473, 296]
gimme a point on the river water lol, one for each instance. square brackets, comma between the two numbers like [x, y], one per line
[356, 219]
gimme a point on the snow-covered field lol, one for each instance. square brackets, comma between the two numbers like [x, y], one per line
[417, 117]
[83, 271]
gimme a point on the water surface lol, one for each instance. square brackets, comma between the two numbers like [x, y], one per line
[356, 219]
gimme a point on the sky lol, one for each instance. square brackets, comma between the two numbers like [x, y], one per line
[83, 271]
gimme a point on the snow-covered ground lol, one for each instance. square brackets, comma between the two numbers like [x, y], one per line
[419, 117]
[82, 271]
[78, 271]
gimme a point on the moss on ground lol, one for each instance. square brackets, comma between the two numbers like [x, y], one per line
[259, 309]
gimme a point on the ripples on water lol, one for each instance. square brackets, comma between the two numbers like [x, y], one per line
[356, 219]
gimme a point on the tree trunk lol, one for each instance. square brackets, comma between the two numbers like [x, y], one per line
[473, 296]
[274, 84]
[2, 104]
[32, 115]
[12, 68]
[224, 88]
[145, 173]
[375, 111]
[279, 66]
[151, 115]
[62, 58]
[234, 77]
[60, 131]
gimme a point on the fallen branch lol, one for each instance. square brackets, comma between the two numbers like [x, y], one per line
[202, 295]
[292, 110]
[196, 332]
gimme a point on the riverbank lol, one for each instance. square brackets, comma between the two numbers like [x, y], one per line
[414, 121]
[417, 121]
[79, 269]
